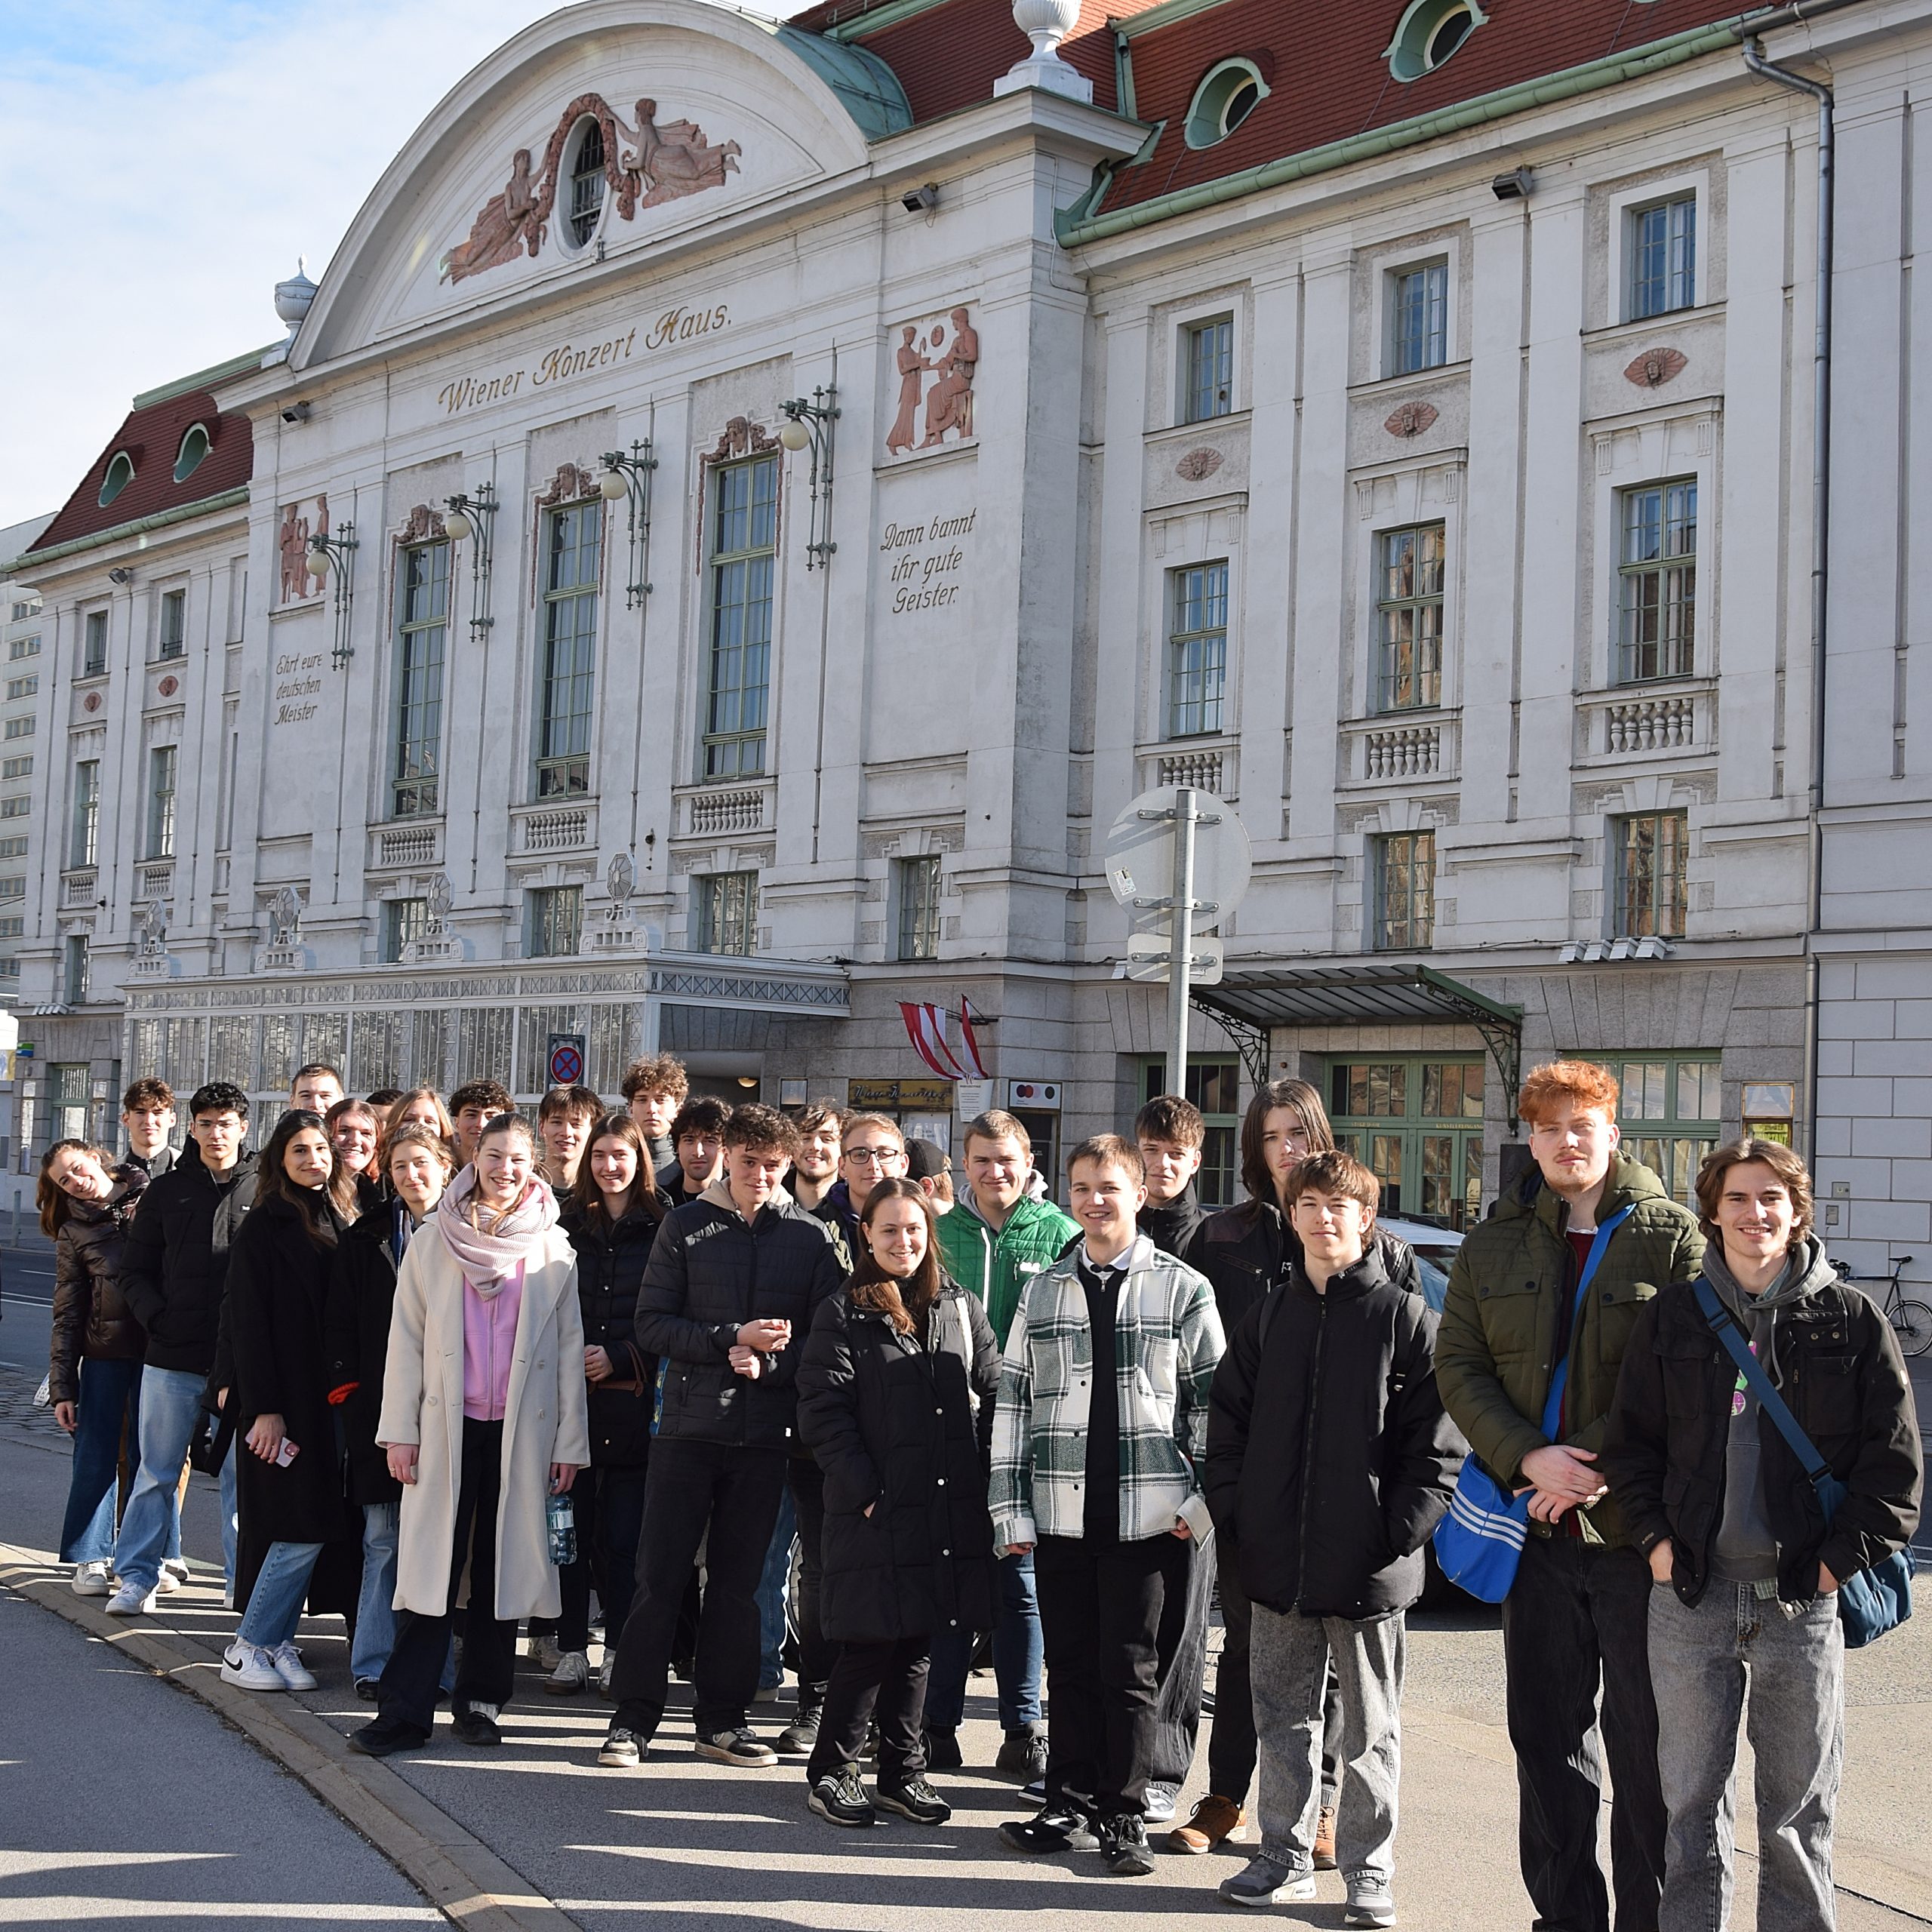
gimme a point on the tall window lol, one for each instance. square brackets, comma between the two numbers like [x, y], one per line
[1197, 650]
[1404, 891]
[162, 765]
[1662, 247]
[93, 646]
[1651, 851]
[67, 1084]
[1418, 318]
[587, 184]
[1670, 1111]
[1208, 385]
[174, 641]
[83, 846]
[1409, 611]
[75, 976]
[573, 558]
[405, 921]
[1213, 1086]
[1657, 582]
[1417, 1123]
[422, 637]
[744, 551]
[919, 907]
[553, 921]
[723, 907]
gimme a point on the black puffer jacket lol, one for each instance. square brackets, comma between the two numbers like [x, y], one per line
[178, 1257]
[1245, 1251]
[91, 1317]
[355, 1323]
[904, 1424]
[1329, 1459]
[610, 1261]
[710, 1272]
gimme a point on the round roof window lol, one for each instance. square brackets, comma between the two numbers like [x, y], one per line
[195, 447]
[120, 474]
[1228, 94]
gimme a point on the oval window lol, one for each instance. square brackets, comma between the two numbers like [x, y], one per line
[120, 474]
[193, 453]
[587, 183]
[1428, 34]
[1228, 94]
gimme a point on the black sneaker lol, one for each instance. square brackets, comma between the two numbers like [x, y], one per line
[913, 1797]
[386, 1736]
[1024, 1756]
[839, 1797]
[621, 1748]
[476, 1725]
[943, 1751]
[1124, 1846]
[1050, 1831]
[799, 1738]
[366, 1689]
[737, 1747]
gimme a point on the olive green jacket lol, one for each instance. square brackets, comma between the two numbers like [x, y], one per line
[1495, 1353]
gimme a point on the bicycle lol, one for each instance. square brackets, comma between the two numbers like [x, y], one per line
[1911, 1320]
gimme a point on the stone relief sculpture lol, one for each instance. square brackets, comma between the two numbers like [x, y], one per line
[644, 166]
[292, 549]
[285, 918]
[949, 352]
[154, 930]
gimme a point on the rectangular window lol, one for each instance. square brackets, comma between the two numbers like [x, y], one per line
[9, 969]
[161, 767]
[12, 848]
[405, 921]
[1213, 1085]
[1404, 884]
[1417, 1123]
[1657, 582]
[1662, 247]
[573, 560]
[84, 845]
[23, 646]
[1670, 1111]
[94, 648]
[1409, 616]
[423, 594]
[1197, 650]
[11, 926]
[21, 806]
[1651, 850]
[919, 907]
[17, 768]
[74, 986]
[724, 905]
[18, 727]
[30, 608]
[744, 554]
[1208, 386]
[19, 687]
[1418, 318]
[14, 886]
[174, 641]
[553, 921]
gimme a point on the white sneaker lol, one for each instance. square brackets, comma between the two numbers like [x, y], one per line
[165, 1582]
[131, 1600]
[251, 1668]
[286, 1660]
[92, 1580]
[543, 1652]
[571, 1674]
[176, 1567]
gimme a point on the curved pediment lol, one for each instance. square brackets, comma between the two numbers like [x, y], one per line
[611, 126]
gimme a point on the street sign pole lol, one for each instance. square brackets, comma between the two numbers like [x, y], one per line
[1185, 816]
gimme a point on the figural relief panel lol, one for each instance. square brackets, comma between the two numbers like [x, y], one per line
[293, 531]
[937, 360]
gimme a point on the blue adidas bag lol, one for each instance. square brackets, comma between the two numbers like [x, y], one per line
[1479, 1543]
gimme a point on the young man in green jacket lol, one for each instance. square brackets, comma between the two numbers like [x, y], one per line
[996, 1238]
[1576, 1621]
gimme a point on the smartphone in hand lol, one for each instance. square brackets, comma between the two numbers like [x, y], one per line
[286, 1454]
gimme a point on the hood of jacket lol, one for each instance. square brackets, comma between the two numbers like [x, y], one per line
[1627, 1182]
[1806, 1271]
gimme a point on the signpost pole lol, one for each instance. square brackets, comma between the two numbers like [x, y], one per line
[1181, 929]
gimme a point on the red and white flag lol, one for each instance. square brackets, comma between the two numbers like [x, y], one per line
[925, 1027]
[969, 1041]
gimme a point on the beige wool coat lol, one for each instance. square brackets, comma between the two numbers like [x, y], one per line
[544, 1421]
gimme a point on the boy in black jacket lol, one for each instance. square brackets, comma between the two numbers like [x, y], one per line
[1329, 1462]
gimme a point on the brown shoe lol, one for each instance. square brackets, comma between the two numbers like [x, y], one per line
[1215, 1820]
[1324, 1839]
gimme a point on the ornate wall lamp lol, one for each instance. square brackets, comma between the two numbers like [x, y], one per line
[473, 519]
[809, 426]
[627, 479]
[337, 552]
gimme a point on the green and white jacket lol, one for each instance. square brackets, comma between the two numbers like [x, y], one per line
[1167, 1342]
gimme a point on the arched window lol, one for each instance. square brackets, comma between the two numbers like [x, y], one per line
[194, 446]
[1428, 33]
[587, 183]
[120, 474]
[1229, 93]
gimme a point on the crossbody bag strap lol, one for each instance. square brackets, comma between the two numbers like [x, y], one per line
[1724, 1326]
[1553, 1408]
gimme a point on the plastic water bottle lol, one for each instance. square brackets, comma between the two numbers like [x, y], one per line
[562, 1521]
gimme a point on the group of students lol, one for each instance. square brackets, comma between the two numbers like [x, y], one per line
[481, 1370]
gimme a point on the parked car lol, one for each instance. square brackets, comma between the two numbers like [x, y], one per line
[1435, 1248]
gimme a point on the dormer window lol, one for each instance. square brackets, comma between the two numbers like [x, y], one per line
[1428, 33]
[195, 447]
[587, 183]
[1228, 94]
[120, 474]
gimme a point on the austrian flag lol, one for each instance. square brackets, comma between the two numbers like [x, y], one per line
[925, 1027]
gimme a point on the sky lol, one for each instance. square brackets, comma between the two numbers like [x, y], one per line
[169, 161]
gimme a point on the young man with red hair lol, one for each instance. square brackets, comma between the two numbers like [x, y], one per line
[1575, 1622]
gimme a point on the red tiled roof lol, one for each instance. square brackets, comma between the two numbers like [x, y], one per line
[152, 436]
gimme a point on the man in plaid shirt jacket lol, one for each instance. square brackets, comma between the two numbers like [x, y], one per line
[1099, 1475]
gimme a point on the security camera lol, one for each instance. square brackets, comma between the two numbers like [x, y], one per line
[921, 201]
[296, 412]
[1514, 186]
[122, 575]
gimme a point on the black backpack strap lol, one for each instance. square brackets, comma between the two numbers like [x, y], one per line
[1724, 1326]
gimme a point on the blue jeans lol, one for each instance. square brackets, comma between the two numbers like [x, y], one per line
[110, 1395]
[375, 1609]
[274, 1604]
[1018, 1656]
[171, 1403]
[774, 1590]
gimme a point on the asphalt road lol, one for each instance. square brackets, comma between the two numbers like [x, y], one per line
[26, 1298]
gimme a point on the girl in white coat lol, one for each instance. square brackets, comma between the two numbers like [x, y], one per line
[483, 1420]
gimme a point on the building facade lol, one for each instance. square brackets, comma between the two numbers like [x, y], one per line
[783, 492]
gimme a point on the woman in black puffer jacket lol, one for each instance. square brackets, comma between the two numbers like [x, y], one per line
[896, 1396]
[612, 1218]
[93, 1375]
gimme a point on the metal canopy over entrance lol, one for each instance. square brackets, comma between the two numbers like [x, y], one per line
[1249, 1004]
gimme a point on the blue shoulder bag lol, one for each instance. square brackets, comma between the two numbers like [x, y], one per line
[1480, 1542]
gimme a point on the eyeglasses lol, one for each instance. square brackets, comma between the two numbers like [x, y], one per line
[873, 1156]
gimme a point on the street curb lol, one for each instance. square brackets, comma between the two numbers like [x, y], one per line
[454, 1870]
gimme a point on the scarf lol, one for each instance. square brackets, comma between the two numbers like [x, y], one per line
[487, 1259]
[1805, 1271]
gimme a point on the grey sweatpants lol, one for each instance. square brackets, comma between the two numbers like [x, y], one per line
[1288, 1662]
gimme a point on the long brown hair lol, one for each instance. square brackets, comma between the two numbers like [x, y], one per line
[1305, 1104]
[271, 1181]
[871, 1288]
[588, 1198]
[55, 1202]
[392, 1119]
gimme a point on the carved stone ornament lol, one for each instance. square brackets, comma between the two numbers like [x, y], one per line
[1199, 464]
[291, 542]
[620, 878]
[572, 482]
[425, 526]
[169, 685]
[154, 930]
[946, 349]
[1411, 418]
[92, 702]
[441, 897]
[643, 166]
[285, 918]
[1656, 367]
[742, 438]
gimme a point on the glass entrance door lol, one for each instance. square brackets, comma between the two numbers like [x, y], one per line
[1415, 1122]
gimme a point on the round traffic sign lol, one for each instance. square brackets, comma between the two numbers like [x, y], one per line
[1140, 857]
[566, 1066]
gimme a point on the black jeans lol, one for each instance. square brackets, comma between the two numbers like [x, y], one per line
[816, 1658]
[1577, 1618]
[1101, 1606]
[1182, 1644]
[691, 1487]
[889, 1680]
[609, 1504]
[407, 1694]
[1231, 1743]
